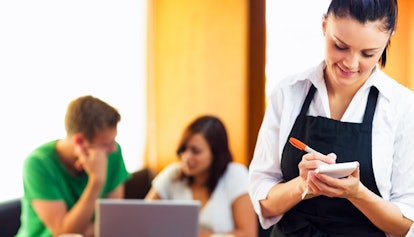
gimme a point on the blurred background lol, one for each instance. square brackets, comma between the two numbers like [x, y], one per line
[161, 63]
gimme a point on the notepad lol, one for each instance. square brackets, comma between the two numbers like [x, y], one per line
[338, 170]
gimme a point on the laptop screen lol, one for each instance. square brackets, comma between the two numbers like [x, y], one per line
[138, 217]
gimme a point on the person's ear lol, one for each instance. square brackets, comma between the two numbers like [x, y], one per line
[79, 139]
[324, 22]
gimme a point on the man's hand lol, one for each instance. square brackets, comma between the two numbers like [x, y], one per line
[93, 160]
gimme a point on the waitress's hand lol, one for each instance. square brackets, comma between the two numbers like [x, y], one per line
[311, 161]
[323, 184]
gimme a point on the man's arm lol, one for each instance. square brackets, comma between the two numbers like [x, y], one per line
[118, 193]
[59, 219]
[55, 214]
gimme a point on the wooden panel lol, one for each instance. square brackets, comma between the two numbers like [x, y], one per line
[197, 66]
[401, 52]
[256, 70]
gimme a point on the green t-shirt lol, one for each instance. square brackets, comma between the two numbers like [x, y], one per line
[45, 177]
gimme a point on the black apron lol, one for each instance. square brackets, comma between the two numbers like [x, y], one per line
[323, 216]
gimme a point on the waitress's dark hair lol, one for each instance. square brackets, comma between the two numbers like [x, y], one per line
[213, 130]
[368, 10]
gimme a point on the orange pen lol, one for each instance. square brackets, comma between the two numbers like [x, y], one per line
[300, 145]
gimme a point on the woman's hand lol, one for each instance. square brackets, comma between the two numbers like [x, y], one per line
[311, 161]
[323, 184]
[204, 233]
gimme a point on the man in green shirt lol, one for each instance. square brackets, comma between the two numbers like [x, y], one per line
[63, 178]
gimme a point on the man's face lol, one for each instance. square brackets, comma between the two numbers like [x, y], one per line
[105, 139]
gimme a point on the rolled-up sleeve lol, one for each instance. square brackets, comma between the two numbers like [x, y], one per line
[402, 180]
[264, 170]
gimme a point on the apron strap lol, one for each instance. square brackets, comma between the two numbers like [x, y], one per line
[308, 100]
[371, 105]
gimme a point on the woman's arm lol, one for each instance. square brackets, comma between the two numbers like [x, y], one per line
[118, 193]
[384, 214]
[289, 193]
[283, 196]
[245, 219]
[152, 195]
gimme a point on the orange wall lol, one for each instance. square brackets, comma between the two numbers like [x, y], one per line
[401, 52]
[197, 65]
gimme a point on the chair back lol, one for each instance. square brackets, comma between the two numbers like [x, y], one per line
[10, 217]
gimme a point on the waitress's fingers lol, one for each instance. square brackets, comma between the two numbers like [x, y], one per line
[313, 184]
[319, 187]
[325, 159]
[335, 187]
[329, 159]
[311, 161]
[314, 159]
[307, 164]
[356, 173]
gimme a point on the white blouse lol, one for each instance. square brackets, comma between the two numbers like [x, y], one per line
[392, 142]
[217, 214]
[410, 232]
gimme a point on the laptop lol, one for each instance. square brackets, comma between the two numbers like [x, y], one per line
[143, 218]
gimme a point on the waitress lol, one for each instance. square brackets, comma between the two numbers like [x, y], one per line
[346, 109]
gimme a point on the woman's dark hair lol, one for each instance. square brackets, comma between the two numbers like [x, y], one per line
[213, 130]
[368, 10]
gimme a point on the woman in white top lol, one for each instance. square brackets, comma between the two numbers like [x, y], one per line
[206, 173]
[410, 232]
[346, 109]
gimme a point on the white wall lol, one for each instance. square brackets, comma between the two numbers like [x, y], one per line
[53, 51]
[294, 37]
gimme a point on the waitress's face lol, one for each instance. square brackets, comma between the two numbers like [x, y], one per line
[352, 49]
[197, 157]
